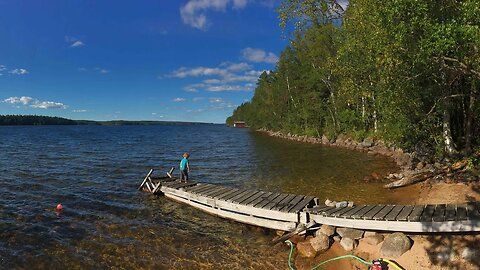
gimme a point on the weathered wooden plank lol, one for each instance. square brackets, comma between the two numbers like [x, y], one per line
[200, 188]
[416, 213]
[284, 202]
[403, 215]
[213, 193]
[222, 192]
[183, 184]
[473, 210]
[428, 213]
[341, 212]
[228, 197]
[228, 194]
[395, 211]
[208, 190]
[275, 201]
[199, 185]
[461, 213]
[450, 212]
[254, 197]
[352, 211]
[145, 180]
[245, 191]
[373, 211]
[292, 203]
[439, 214]
[330, 212]
[383, 213]
[304, 202]
[362, 212]
[259, 199]
[245, 196]
[317, 208]
[267, 200]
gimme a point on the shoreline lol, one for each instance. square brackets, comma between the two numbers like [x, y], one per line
[428, 251]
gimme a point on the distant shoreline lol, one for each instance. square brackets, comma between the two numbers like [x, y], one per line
[38, 120]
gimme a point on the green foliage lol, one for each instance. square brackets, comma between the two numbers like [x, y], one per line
[404, 71]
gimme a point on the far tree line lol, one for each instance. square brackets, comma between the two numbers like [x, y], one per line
[404, 71]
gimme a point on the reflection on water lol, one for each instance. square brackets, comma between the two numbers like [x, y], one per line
[94, 172]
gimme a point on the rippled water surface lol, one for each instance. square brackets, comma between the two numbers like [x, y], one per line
[94, 171]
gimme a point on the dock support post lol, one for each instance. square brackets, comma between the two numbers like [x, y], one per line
[170, 173]
[145, 180]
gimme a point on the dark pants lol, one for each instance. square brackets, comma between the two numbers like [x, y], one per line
[184, 175]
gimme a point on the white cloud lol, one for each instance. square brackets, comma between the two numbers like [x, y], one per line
[35, 103]
[193, 12]
[79, 111]
[3, 67]
[216, 100]
[18, 71]
[230, 88]
[102, 70]
[184, 72]
[178, 99]
[77, 44]
[259, 55]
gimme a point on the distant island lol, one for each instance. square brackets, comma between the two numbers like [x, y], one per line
[38, 120]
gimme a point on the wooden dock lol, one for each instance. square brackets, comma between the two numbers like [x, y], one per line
[286, 212]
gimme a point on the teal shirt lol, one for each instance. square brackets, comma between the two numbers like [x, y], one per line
[183, 164]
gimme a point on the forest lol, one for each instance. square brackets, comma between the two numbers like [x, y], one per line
[406, 72]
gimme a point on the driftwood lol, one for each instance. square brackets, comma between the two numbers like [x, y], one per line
[425, 175]
[300, 228]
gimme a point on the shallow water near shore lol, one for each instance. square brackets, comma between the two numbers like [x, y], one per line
[94, 171]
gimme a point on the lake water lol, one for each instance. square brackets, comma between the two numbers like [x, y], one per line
[94, 171]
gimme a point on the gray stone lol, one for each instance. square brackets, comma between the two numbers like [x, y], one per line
[341, 204]
[326, 230]
[337, 238]
[348, 244]
[330, 203]
[350, 204]
[395, 245]
[373, 239]
[420, 165]
[325, 140]
[350, 233]
[320, 243]
[367, 142]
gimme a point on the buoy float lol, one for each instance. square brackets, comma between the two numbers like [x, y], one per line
[59, 207]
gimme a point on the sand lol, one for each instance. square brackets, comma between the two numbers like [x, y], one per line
[428, 251]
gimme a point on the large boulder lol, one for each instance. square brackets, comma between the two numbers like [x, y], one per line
[320, 243]
[348, 243]
[350, 233]
[395, 245]
[367, 142]
[372, 238]
[326, 230]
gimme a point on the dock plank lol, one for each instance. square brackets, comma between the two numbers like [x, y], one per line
[214, 193]
[439, 214]
[292, 203]
[473, 211]
[416, 213]
[275, 201]
[209, 190]
[184, 184]
[393, 214]
[300, 205]
[201, 188]
[403, 215]
[227, 193]
[259, 199]
[363, 211]
[284, 202]
[245, 196]
[245, 191]
[352, 211]
[461, 213]
[317, 209]
[254, 197]
[330, 212]
[450, 212]
[267, 200]
[383, 213]
[428, 213]
[370, 214]
[341, 212]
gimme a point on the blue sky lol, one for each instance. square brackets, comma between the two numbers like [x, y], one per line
[189, 60]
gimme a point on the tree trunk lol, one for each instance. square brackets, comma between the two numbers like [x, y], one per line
[470, 117]
[447, 133]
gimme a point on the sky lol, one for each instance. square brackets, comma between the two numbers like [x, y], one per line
[185, 60]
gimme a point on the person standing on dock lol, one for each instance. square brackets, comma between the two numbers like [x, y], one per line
[184, 167]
